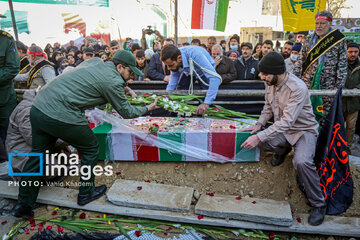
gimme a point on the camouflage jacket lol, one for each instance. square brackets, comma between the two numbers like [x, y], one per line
[334, 71]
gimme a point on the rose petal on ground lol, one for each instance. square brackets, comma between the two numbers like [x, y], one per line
[138, 233]
[298, 219]
[49, 227]
[210, 194]
[82, 216]
[271, 236]
[253, 202]
[60, 229]
[54, 213]
[200, 217]
[4, 222]
[118, 173]
[139, 188]
[238, 198]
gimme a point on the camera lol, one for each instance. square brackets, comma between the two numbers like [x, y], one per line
[149, 31]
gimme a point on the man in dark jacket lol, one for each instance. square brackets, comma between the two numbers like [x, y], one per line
[246, 66]
[224, 65]
[351, 105]
[9, 67]
[157, 69]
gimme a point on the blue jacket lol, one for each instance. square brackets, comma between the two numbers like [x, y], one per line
[156, 70]
[203, 58]
[248, 71]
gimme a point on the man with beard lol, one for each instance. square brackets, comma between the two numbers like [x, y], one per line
[323, 58]
[189, 62]
[286, 50]
[41, 72]
[58, 112]
[287, 99]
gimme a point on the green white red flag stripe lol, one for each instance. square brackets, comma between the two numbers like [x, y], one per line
[209, 14]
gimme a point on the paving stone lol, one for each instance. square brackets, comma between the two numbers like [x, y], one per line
[332, 225]
[150, 196]
[10, 222]
[248, 209]
[355, 160]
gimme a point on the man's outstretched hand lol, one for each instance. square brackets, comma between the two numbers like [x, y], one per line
[202, 109]
[152, 106]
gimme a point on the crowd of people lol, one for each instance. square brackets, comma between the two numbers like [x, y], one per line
[76, 78]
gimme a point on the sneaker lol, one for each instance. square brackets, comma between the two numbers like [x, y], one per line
[317, 216]
[279, 159]
[22, 211]
[87, 198]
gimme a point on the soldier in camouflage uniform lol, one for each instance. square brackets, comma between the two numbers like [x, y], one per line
[334, 70]
[9, 67]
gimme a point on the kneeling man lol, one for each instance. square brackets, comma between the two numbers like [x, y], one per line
[287, 99]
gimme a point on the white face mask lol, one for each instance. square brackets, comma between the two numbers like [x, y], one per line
[294, 57]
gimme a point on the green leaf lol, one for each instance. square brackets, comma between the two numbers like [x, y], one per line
[71, 227]
[122, 230]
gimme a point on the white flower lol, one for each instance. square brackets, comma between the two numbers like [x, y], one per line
[186, 108]
[165, 99]
[153, 96]
[166, 106]
[140, 99]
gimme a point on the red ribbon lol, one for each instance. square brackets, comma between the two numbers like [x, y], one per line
[38, 54]
[322, 17]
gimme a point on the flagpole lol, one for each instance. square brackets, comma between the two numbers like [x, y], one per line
[176, 22]
[13, 20]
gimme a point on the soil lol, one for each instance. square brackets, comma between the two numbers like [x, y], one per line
[258, 180]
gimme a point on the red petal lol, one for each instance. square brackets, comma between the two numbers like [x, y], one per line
[33, 224]
[40, 228]
[169, 229]
[49, 227]
[91, 125]
[250, 195]
[54, 213]
[238, 198]
[210, 194]
[31, 229]
[3, 223]
[115, 220]
[60, 229]
[165, 234]
[253, 202]
[271, 236]
[200, 217]
[118, 173]
[82, 216]
[139, 188]
[138, 233]
[147, 181]
[298, 219]
[232, 127]
[31, 220]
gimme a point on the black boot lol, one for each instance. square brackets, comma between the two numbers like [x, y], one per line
[279, 159]
[86, 198]
[22, 211]
[317, 216]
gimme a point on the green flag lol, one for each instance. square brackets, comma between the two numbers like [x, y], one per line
[316, 101]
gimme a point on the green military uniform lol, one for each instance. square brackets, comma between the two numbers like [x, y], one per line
[58, 112]
[9, 67]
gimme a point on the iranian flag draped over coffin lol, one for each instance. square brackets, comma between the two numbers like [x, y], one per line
[174, 139]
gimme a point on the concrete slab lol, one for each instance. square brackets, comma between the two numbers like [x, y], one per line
[62, 197]
[354, 160]
[150, 196]
[248, 209]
